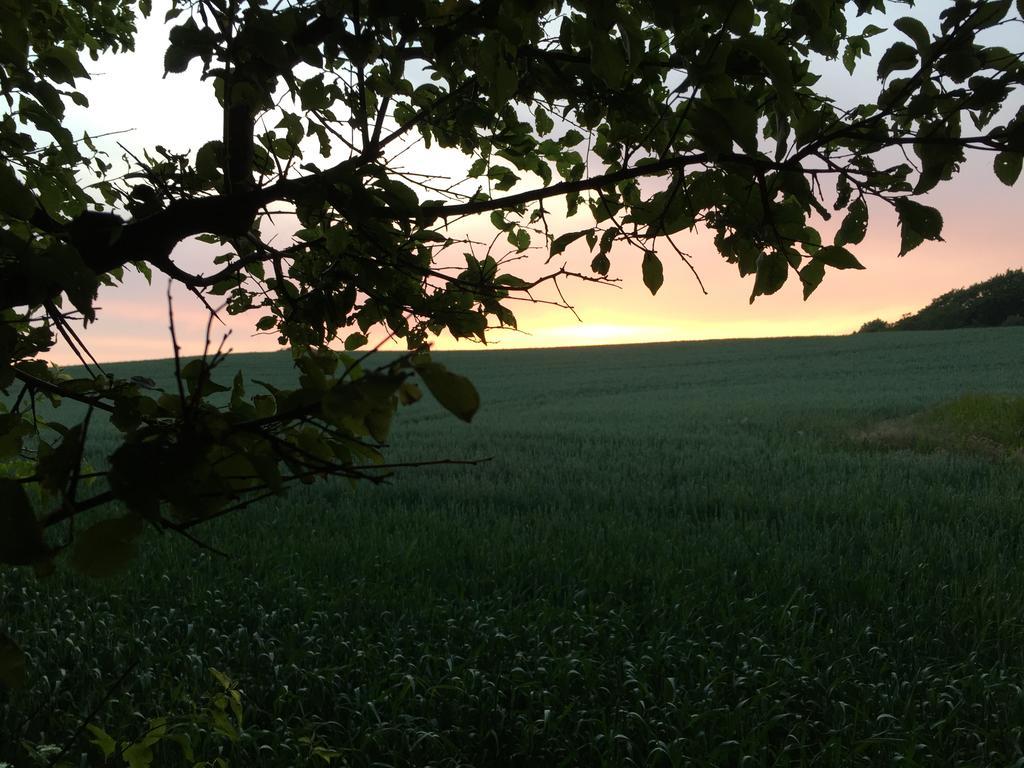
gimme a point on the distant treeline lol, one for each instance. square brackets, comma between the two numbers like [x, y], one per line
[996, 301]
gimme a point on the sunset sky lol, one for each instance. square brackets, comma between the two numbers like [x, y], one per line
[982, 238]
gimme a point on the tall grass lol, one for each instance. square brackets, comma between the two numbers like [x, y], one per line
[676, 555]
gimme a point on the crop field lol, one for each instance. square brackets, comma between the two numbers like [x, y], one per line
[694, 554]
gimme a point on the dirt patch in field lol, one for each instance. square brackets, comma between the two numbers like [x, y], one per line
[978, 424]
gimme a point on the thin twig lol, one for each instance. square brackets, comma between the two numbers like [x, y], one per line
[177, 349]
[95, 711]
[181, 531]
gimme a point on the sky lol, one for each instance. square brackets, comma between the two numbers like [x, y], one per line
[128, 92]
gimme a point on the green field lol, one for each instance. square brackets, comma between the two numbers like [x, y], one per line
[678, 554]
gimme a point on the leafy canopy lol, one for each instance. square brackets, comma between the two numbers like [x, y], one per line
[996, 301]
[639, 118]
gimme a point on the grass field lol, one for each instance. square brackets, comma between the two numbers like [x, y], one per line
[678, 554]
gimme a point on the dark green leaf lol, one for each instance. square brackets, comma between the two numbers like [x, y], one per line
[899, 56]
[107, 547]
[62, 64]
[571, 138]
[544, 122]
[1007, 166]
[775, 59]
[938, 161]
[560, 243]
[378, 422]
[855, 224]
[187, 41]
[409, 393]
[742, 16]
[959, 65]
[13, 429]
[106, 743]
[143, 269]
[653, 272]
[496, 69]
[78, 281]
[809, 126]
[176, 59]
[196, 374]
[916, 31]
[15, 198]
[917, 224]
[400, 196]
[12, 663]
[478, 168]
[520, 238]
[456, 393]
[989, 13]
[837, 257]
[856, 47]
[21, 542]
[355, 341]
[57, 464]
[713, 130]
[608, 60]
[140, 754]
[772, 271]
[811, 276]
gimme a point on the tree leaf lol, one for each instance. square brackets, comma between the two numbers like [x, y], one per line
[916, 31]
[187, 41]
[856, 46]
[811, 276]
[917, 224]
[544, 122]
[12, 663]
[57, 464]
[1007, 165]
[775, 59]
[63, 64]
[560, 243]
[478, 168]
[378, 423]
[899, 56]
[138, 755]
[103, 740]
[571, 138]
[712, 129]
[456, 393]
[938, 162]
[855, 224]
[496, 69]
[355, 341]
[21, 542]
[837, 257]
[409, 393]
[772, 271]
[608, 59]
[654, 275]
[15, 198]
[107, 547]
[176, 59]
